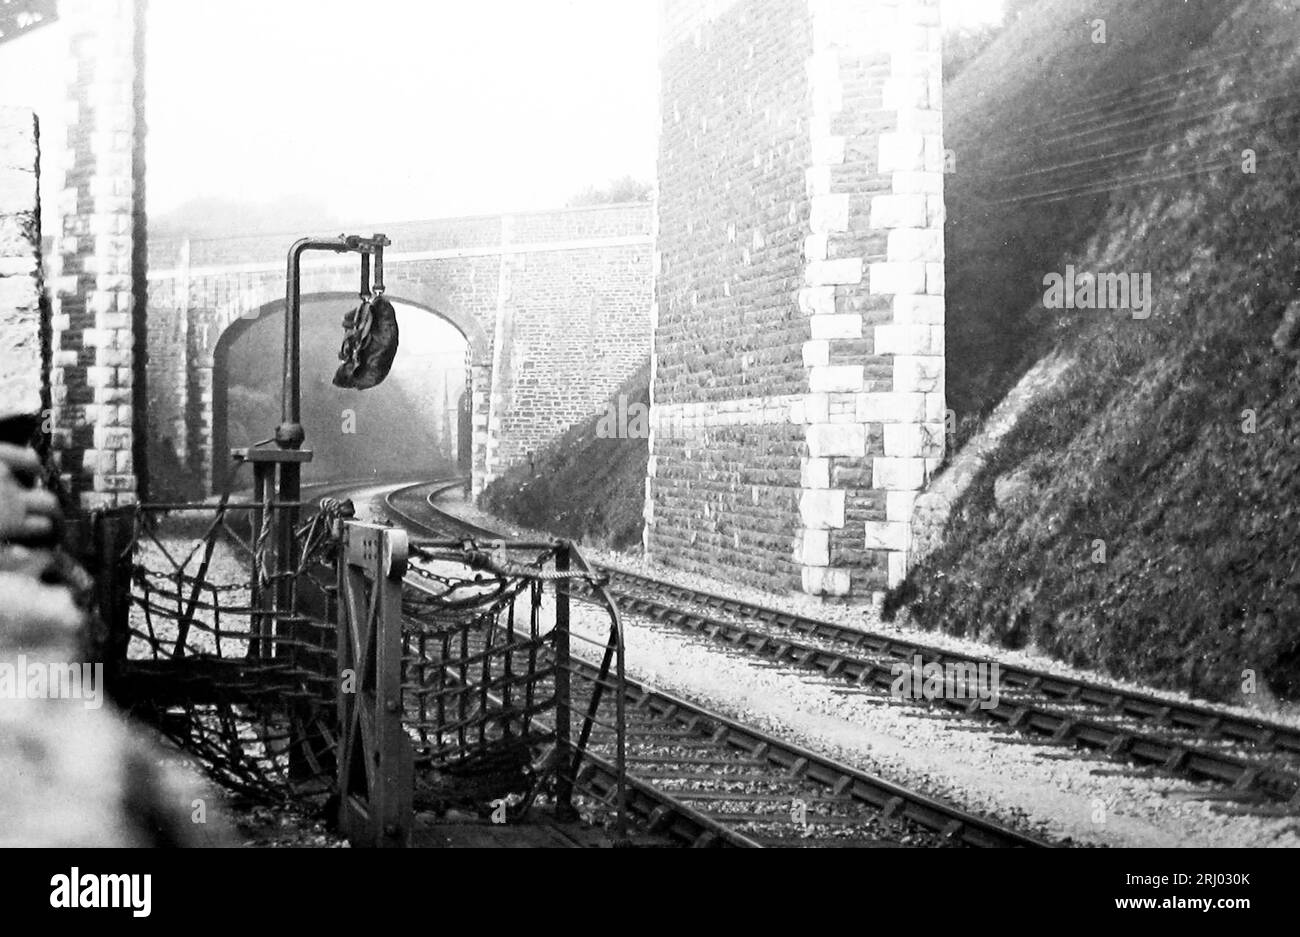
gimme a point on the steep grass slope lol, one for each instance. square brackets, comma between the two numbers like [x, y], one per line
[1142, 516]
[580, 485]
[1024, 105]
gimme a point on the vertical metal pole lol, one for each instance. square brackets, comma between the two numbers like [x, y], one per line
[259, 599]
[620, 707]
[113, 535]
[345, 696]
[289, 434]
[563, 697]
[392, 801]
[287, 549]
[291, 392]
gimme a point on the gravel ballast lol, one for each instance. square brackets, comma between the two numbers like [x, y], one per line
[1054, 791]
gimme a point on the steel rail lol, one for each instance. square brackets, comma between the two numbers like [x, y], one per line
[661, 813]
[1140, 705]
[1171, 754]
[1212, 721]
[803, 764]
[669, 814]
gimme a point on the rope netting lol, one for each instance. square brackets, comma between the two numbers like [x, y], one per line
[478, 676]
[246, 689]
[252, 692]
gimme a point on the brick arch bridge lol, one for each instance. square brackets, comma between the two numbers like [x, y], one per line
[554, 308]
[228, 324]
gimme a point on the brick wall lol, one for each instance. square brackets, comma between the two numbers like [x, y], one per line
[98, 322]
[732, 215]
[22, 344]
[578, 325]
[798, 363]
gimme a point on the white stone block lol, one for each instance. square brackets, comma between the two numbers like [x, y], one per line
[829, 213]
[936, 410]
[815, 473]
[817, 301]
[922, 120]
[822, 509]
[934, 153]
[838, 326]
[897, 569]
[815, 548]
[892, 474]
[887, 535]
[846, 271]
[101, 376]
[908, 245]
[902, 152]
[837, 440]
[919, 310]
[934, 438]
[918, 375]
[816, 353]
[836, 582]
[899, 505]
[891, 408]
[813, 578]
[897, 279]
[934, 279]
[815, 247]
[836, 379]
[899, 211]
[936, 213]
[101, 302]
[816, 408]
[906, 91]
[904, 441]
[912, 183]
[817, 181]
[903, 340]
[828, 150]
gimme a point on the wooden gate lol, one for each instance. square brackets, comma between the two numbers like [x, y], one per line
[376, 759]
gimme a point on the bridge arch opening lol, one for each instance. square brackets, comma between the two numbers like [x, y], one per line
[410, 426]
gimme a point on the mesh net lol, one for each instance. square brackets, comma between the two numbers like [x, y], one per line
[253, 693]
[478, 679]
[248, 690]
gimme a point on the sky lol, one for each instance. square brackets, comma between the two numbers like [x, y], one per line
[386, 110]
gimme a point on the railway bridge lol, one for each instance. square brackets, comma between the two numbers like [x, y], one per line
[553, 306]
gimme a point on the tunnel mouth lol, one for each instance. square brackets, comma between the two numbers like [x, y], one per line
[411, 426]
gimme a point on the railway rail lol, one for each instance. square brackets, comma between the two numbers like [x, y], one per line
[705, 779]
[1257, 760]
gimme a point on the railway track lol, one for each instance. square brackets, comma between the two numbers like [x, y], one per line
[1256, 760]
[711, 780]
[704, 779]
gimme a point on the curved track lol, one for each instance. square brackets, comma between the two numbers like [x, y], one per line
[1258, 760]
[706, 779]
